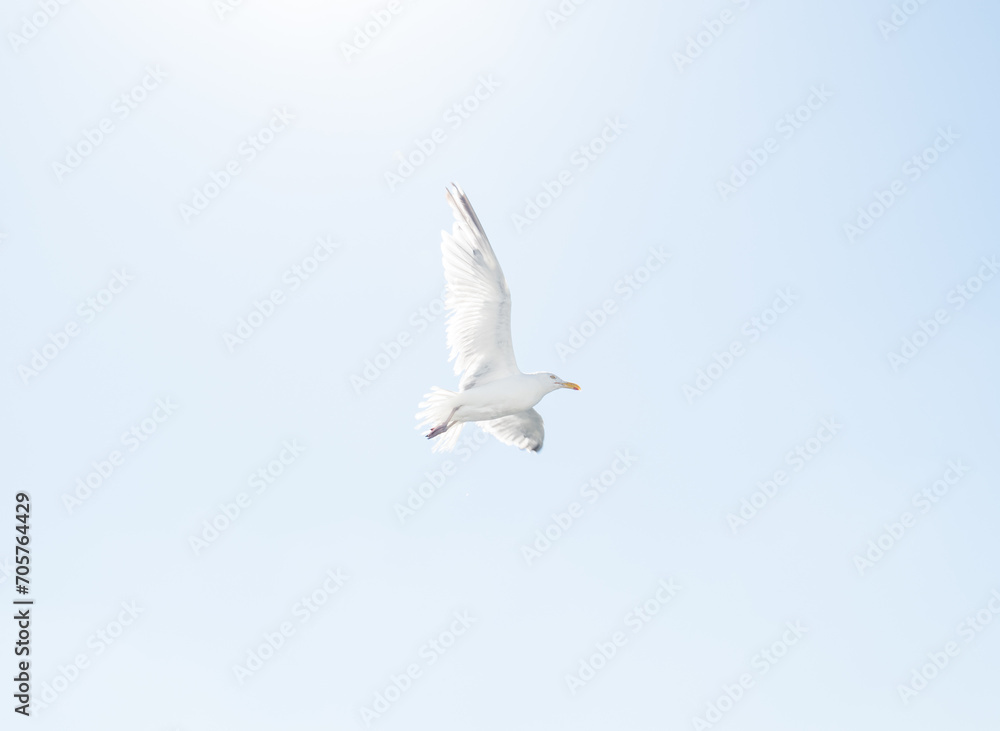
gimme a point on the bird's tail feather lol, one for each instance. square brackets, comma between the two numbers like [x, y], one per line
[436, 409]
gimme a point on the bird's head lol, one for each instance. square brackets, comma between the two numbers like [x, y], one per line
[553, 381]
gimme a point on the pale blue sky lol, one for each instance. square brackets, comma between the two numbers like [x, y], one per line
[336, 127]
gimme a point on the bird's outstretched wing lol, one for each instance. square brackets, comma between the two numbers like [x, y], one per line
[523, 429]
[477, 299]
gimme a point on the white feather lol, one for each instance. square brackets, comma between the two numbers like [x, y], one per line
[477, 299]
[524, 429]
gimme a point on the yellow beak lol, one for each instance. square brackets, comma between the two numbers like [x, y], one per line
[567, 384]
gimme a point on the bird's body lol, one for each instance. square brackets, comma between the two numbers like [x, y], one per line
[493, 391]
[502, 398]
[492, 400]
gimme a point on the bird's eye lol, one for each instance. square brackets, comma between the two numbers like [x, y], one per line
[552, 377]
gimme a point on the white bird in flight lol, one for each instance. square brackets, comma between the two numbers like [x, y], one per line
[493, 391]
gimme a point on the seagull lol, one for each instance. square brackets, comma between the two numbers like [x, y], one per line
[493, 392]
